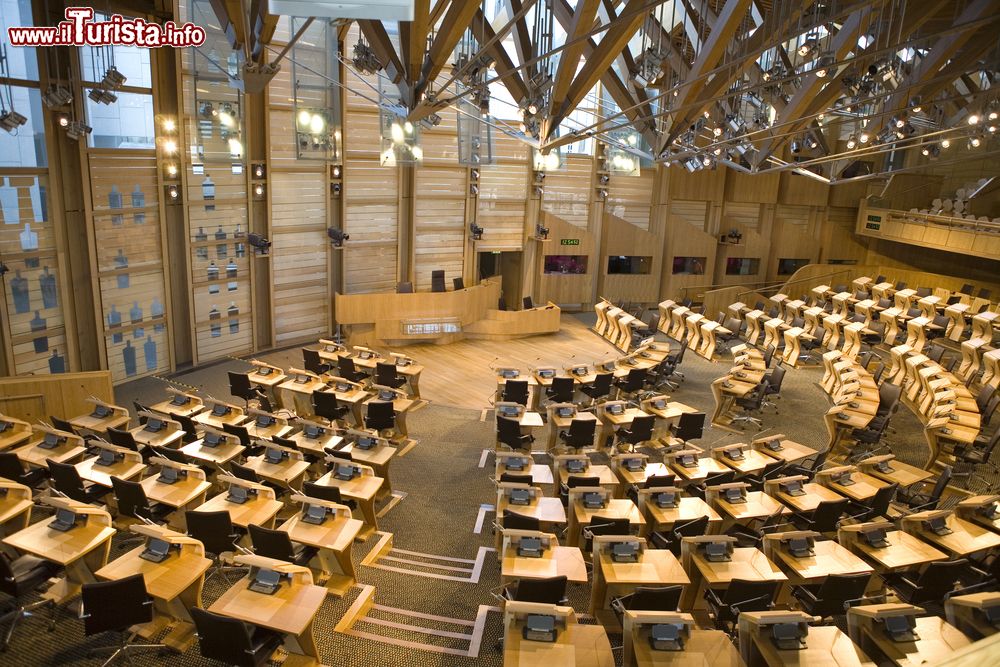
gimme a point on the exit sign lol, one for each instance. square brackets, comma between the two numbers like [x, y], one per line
[569, 241]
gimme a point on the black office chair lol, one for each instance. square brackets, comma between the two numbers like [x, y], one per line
[514, 521]
[278, 545]
[175, 455]
[11, 468]
[330, 494]
[513, 478]
[527, 303]
[437, 281]
[751, 534]
[326, 405]
[741, 595]
[978, 452]
[313, 362]
[984, 293]
[62, 425]
[716, 479]
[603, 525]
[937, 580]
[243, 472]
[347, 370]
[458, 283]
[772, 390]
[637, 433]
[918, 498]
[216, 531]
[386, 375]
[501, 304]
[809, 466]
[190, 427]
[509, 433]
[515, 391]
[122, 438]
[139, 407]
[671, 538]
[967, 289]
[599, 388]
[115, 606]
[768, 355]
[66, 480]
[875, 507]
[900, 285]
[833, 596]
[690, 426]
[770, 470]
[241, 387]
[380, 416]
[19, 579]
[824, 519]
[632, 383]
[580, 434]
[648, 598]
[724, 341]
[233, 642]
[543, 591]
[561, 390]
[133, 502]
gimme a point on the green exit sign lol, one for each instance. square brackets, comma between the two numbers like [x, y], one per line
[569, 241]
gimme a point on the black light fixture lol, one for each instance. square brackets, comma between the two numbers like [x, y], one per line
[337, 236]
[260, 245]
[173, 194]
[476, 231]
[734, 236]
[541, 232]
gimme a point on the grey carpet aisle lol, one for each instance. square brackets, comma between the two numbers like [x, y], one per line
[445, 489]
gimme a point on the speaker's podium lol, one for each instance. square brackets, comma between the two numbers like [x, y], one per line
[391, 319]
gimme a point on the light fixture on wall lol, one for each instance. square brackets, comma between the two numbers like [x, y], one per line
[11, 120]
[173, 194]
[260, 245]
[541, 233]
[337, 237]
[258, 191]
[259, 171]
[77, 129]
[734, 236]
[539, 190]
[335, 189]
[473, 189]
[365, 60]
[476, 231]
[170, 170]
[101, 96]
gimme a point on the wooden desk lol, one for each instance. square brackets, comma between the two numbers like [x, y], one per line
[655, 567]
[702, 648]
[16, 432]
[117, 417]
[828, 558]
[970, 510]
[825, 645]
[752, 462]
[317, 446]
[549, 511]
[216, 456]
[966, 612]
[747, 563]
[15, 507]
[636, 477]
[175, 583]
[352, 395]
[608, 478]
[288, 474]
[180, 403]
[128, 467]
[813, 495]
[186, 493]
[617, 508]
[362, 489]
[864, 488]
[168, 437]
[790, 451]
[758, 505]
[935, 640]
[903, 553]
[260, 510]
[611, 423]
[557, 423]
[378, 458]
[82, 550]
[290, 611]
[540, 474]
[334, 539]
[965, 539]
[296, 391]
[33, 454]
[575, 644]
[234, 416]
[688, 508]
[555, 561]
[706, 467]
[900, 473]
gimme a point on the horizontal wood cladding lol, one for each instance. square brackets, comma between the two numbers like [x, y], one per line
[569, 191]
[631, 197]
[439, 222]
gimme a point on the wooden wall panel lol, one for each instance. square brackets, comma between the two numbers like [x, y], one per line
[624, 238]
[129, 257]
[439, 222]
[746, 215]
[802, 190]
[568, 191]
[751, 188]
[840, 243]
[693, 213]
[299, 262]
[503, 191]
[34, 399]
[564, 287]
[631, 197]
[794, 235]
[708, 185]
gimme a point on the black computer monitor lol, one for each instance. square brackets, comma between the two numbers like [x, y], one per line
[154, 424]
[157, 550]
[64, 520]
[315, 514]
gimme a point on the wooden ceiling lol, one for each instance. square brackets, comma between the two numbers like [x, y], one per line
[731, 84]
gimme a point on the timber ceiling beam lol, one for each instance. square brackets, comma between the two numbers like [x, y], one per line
[598, 62]
[505, 67]
[416, 39]
[522, 37]
[581, 23]
[455, 22]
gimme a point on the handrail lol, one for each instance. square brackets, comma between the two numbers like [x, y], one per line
[823, 276]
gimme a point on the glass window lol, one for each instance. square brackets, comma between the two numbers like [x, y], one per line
[631, 264]
[21, 61]
[689, 266]
[25, 146]
[128, 123]
[786, 266]
[742, 266]
[566, 264]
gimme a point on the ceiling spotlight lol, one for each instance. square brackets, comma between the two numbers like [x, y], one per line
[824, 66]
[899, 121]
[11, 120]
[992, 129]
[796, 146]
[476, 231]
[337, 237]
[864, 137]
[113, 79]
[930, 150]
[63, 120]
[807, 47]
[258, 190]
[974, 142]
[851, 142]
[993, 115]
[706, 161]
[336, 171]
[812, 142]
[945, 143]
[258, 171]
[56, 96]
[973, 119]
[169, 146]
[430, 120]
[171, 170]
[365, 60]
[76, 129]
[102, 96]
[169, 125]
[717, 131]
[915, 104]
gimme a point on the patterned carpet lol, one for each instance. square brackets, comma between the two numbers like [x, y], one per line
[445, 489]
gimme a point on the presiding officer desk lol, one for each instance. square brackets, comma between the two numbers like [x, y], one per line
[392, 319]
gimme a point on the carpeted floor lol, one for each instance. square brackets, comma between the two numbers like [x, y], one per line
[445, 487]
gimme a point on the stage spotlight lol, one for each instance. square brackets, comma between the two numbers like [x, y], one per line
[260, 245]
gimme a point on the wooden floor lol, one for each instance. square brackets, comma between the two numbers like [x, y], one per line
[458, 374]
